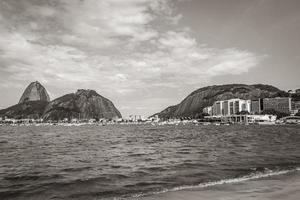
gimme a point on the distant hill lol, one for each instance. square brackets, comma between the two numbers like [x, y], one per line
[83, 104]
[35, 92]
[25, 110]
[194, 103]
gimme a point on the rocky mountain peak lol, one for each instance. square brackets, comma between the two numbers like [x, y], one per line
[35, 92]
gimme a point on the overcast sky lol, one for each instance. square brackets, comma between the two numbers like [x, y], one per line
[145, 55]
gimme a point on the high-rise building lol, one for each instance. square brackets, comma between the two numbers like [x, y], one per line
[280, 104]
[256, 106]
[231, 106]
[225, 108]
[236, 106]
[218, 108]
[231, 109]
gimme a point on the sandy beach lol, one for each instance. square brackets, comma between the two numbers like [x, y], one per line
[281, 187]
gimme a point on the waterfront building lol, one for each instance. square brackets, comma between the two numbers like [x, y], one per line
[135, 118]
[225, 108]
[243, 119]
[231, 107]
[280, 104]
[295, 107]
[218, 108]
[257, 106]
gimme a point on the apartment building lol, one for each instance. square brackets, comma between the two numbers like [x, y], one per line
[280, 104]
[231, 107]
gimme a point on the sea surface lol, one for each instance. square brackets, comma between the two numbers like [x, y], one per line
[131, 161]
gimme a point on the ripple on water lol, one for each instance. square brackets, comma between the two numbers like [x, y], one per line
[113, 161]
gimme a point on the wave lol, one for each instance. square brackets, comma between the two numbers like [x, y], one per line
[76, 169]
[255, 175]
[31, 177]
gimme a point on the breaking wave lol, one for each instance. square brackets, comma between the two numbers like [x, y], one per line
[255, 175]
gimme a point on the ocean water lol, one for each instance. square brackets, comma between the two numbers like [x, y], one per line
[130, 161]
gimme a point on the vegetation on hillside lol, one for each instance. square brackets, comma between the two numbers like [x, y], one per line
[29, 109]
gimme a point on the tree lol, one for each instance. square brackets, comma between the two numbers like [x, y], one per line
[274, 112]
[243, 112]
[201, 115]
[282, 94]
[296, 97]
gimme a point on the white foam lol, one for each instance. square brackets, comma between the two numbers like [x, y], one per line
[251, 176]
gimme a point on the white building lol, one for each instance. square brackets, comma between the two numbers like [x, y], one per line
[231, 107]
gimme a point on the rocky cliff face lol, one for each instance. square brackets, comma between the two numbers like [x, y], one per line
[197, 100]
[35, 92]
[83, 104]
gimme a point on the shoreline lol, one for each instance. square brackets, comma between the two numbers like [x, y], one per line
[145, 123]
[283, 186]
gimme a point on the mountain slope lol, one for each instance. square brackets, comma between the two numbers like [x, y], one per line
[35, 92]
[206, 96]
[83, 104]
[25, 110]
[32, 103]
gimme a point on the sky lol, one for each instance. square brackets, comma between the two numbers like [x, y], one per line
[145, 55]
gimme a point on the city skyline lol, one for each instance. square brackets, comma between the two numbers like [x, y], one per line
[145, 55]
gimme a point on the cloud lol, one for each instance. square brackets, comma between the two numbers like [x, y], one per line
[114, 46]
[233, 61]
